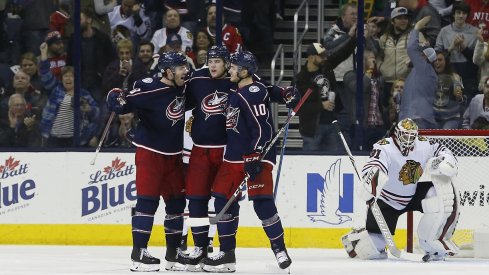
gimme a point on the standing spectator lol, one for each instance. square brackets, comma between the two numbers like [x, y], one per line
[393, 59]
[131, 15]
[56, 52]
[172, 26]
[124, 71]
[101, 8]
[478, 110]
[478, 15]
[419, 92]
[431, 30]
[21, 128]
[481, 59]
[249, 130]
[96, 54]
[320, 110]
[60, 18]
[344, 28]
[373, 90]
[145, 55]
[448, 97]
[231, 37]
[459, 39]
[58, 115]
[159, 166]
[259, 18]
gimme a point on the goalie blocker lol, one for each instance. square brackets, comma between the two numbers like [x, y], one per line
[391, 176]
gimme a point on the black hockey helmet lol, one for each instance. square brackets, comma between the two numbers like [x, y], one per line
[170, 60]
[218, 52]
[245, 60]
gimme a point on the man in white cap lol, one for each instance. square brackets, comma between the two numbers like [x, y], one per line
[419, 90]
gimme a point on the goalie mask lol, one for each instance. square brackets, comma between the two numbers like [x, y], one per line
[405, 134]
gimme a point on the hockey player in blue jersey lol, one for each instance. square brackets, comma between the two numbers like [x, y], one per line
[207, 93]
[249, 129]
[160, 105]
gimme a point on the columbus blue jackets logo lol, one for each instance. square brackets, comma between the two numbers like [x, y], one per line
[214, 104]
[232, 116]
[175, 110]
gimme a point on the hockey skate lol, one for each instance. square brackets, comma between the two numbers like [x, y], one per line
[142, 261]
[193, 260]
[175, 260]
[432, 257]
[283, 259]
[223, 262]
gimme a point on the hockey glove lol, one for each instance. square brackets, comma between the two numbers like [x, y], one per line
[116, 99]
[252, 165]
[291, 97]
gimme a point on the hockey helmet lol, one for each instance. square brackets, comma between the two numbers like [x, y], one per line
[405, 134]
[218, 52]
[245, 60]
[170, 60]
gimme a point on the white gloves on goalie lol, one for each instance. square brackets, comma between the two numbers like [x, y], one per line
[445, 165]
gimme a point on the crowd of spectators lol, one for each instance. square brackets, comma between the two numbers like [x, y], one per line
[426, 60]
[120, 43]
[445, 68]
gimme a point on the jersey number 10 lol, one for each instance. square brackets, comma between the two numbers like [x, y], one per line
[260, 110]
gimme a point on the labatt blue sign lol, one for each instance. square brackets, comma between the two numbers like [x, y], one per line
[107, 188]
[18, 192]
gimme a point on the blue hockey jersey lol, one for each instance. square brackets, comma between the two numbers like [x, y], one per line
[249, 123]
[161, 110]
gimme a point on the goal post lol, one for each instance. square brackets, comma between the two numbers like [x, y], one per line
[471, 148]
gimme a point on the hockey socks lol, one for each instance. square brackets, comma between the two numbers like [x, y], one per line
[142, 222]
[227, 227]
[199, 209]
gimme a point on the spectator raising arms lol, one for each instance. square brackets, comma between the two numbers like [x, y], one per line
[478, 110]
[57, 123]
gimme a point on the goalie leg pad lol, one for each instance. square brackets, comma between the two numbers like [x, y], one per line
[439, 219]
[367, 246]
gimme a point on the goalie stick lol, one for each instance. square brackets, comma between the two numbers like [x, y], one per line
[377, 213]
[102, 138]
[214, 220]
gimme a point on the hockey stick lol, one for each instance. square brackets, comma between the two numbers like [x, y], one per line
[279, 169]
[104, 135]
[377, 213]
[220, 215]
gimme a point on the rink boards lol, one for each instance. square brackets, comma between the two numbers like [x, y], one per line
[58, 198]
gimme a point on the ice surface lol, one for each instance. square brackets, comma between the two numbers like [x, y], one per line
[16, 259]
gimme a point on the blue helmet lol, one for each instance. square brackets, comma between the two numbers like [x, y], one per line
[170, 60]
[218, 52]
[246, 60]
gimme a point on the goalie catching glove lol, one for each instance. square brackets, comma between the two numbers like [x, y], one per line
[252, 165]
[443, 165]
[116, 99]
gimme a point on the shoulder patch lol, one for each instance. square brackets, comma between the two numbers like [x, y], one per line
[383, 142]
[421, 138]
[189, 35]
[254, 89]
[237, 32]
[147, 80]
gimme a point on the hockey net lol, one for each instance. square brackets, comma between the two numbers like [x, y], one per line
[471, 148]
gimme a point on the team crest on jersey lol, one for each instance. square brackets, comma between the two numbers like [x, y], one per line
[254, 89]
[148, 80]
[175, 110]
[383, 142]
[214, 104]
[410, 172]
[189, 35]
[232, 116]
[421, 138]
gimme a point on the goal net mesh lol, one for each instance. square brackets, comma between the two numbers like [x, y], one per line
[471, 148]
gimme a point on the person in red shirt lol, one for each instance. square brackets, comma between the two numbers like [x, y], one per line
[479, 15]
[56, 53]
[231, 38]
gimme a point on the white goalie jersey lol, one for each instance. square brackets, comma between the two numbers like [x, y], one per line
[403, 172]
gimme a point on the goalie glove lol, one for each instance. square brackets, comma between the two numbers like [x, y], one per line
[252, 165]
[443, 165]
[291, 97]
[116, 99]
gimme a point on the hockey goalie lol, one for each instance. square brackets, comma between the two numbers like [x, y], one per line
[391, 176]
